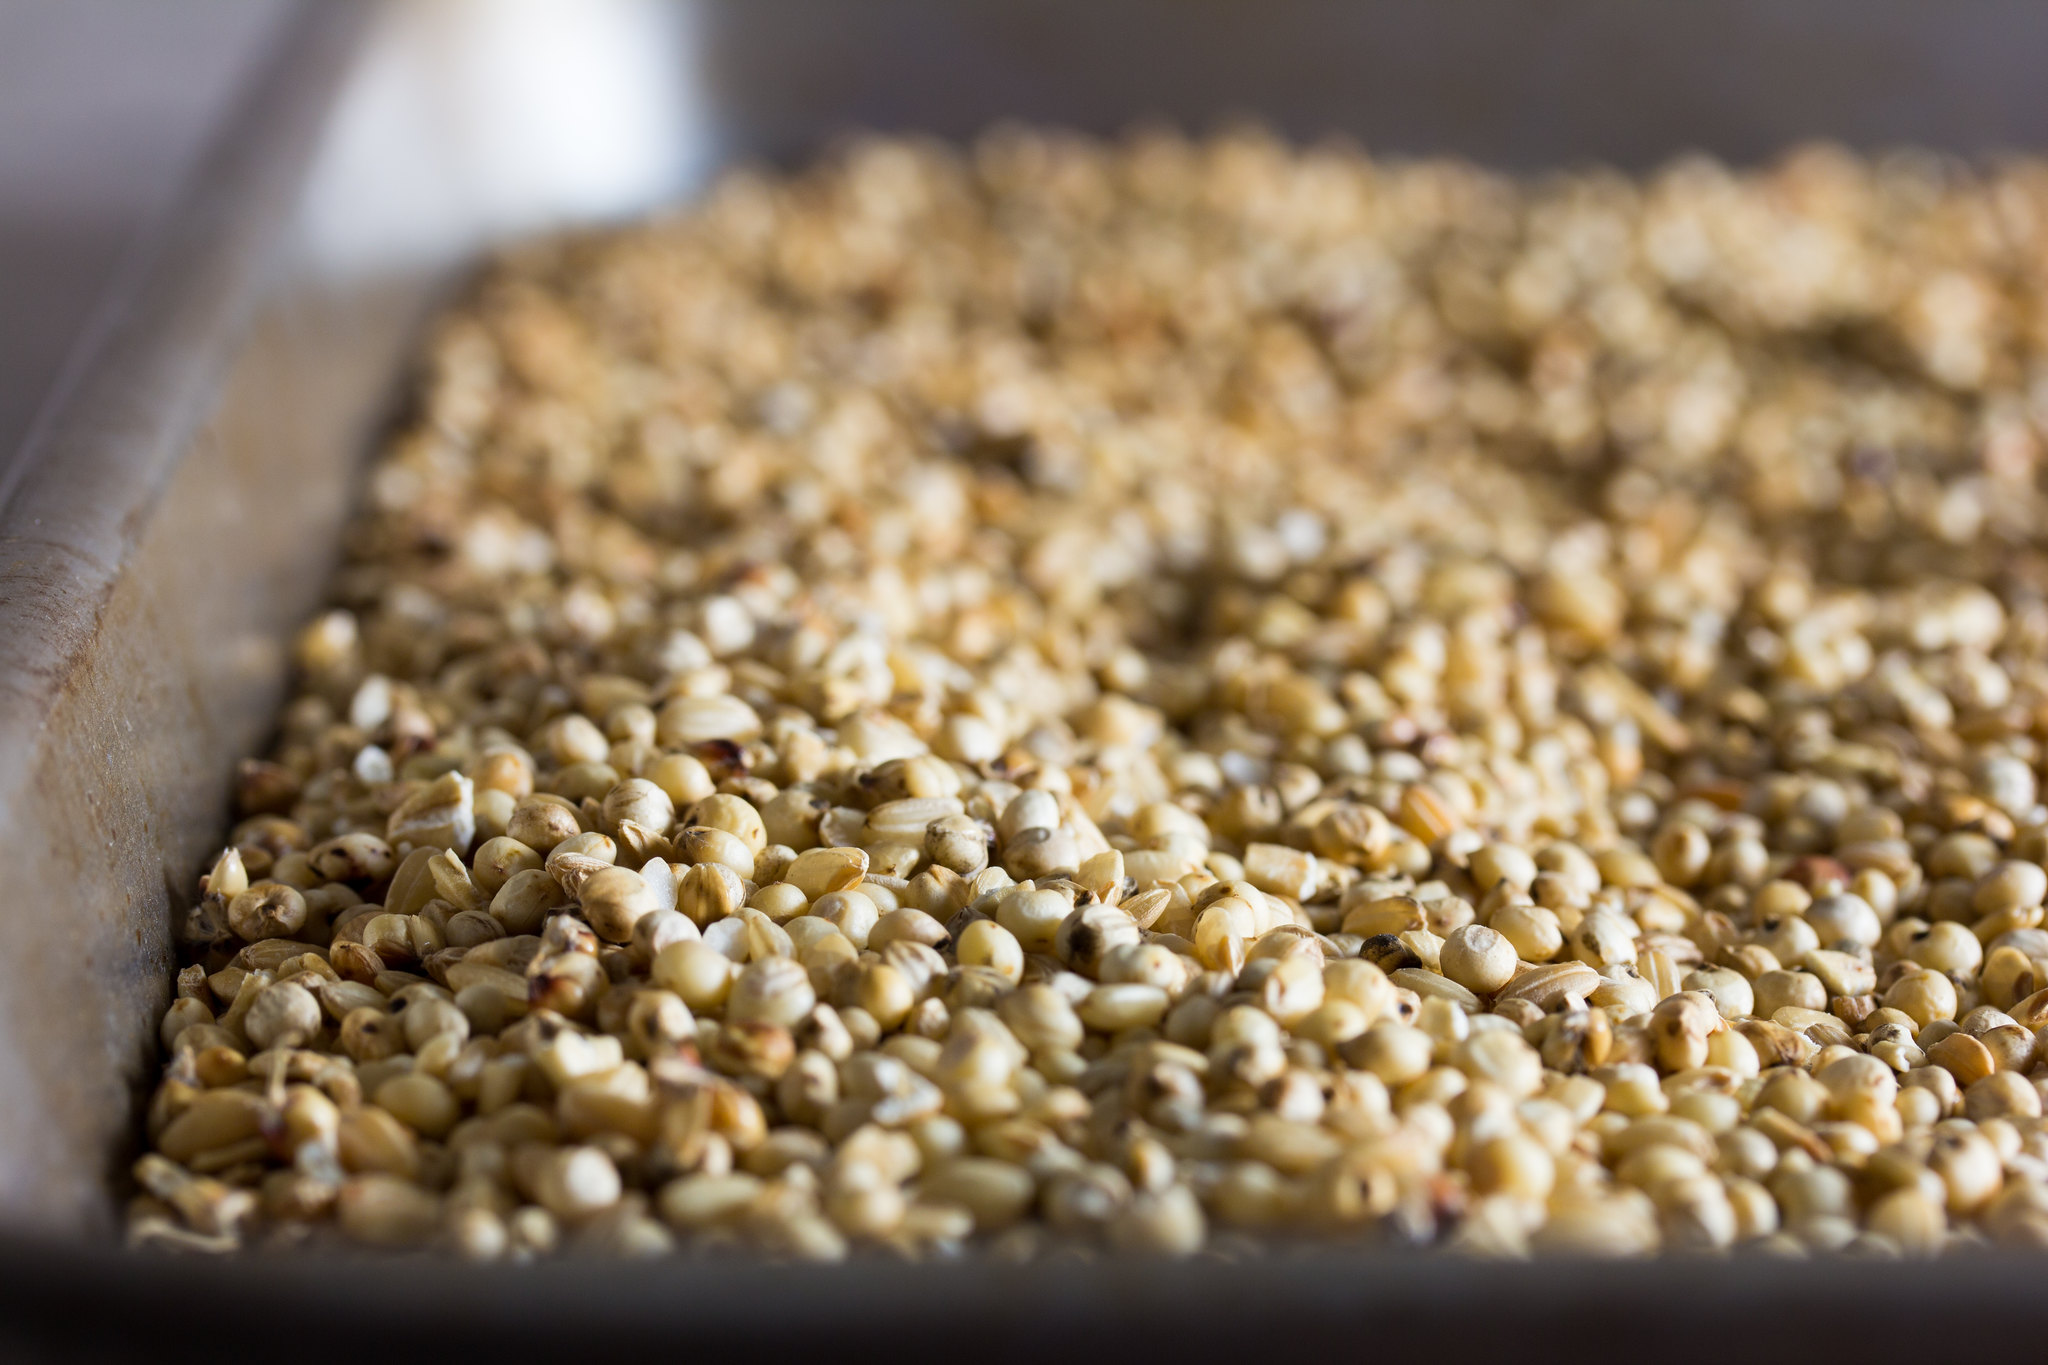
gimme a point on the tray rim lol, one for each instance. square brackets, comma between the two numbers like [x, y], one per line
[154, 362]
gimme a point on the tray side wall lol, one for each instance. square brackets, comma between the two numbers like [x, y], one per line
[168, 524]
[184, 511]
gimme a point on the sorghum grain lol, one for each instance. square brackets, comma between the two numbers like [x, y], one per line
[1086, 695]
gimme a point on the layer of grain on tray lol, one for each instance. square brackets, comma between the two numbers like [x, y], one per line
[1160, 696]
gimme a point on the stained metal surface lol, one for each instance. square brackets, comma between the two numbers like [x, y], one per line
[182, 512]
[140, 602]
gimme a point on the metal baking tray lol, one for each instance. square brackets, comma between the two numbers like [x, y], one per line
[180, 508]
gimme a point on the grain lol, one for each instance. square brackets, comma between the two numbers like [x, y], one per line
[1165, 695]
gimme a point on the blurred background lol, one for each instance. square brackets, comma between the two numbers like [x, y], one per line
[105, 106]
[459, 113]
[470, 120]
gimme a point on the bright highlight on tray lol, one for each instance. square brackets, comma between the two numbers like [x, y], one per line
[1169, 697]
